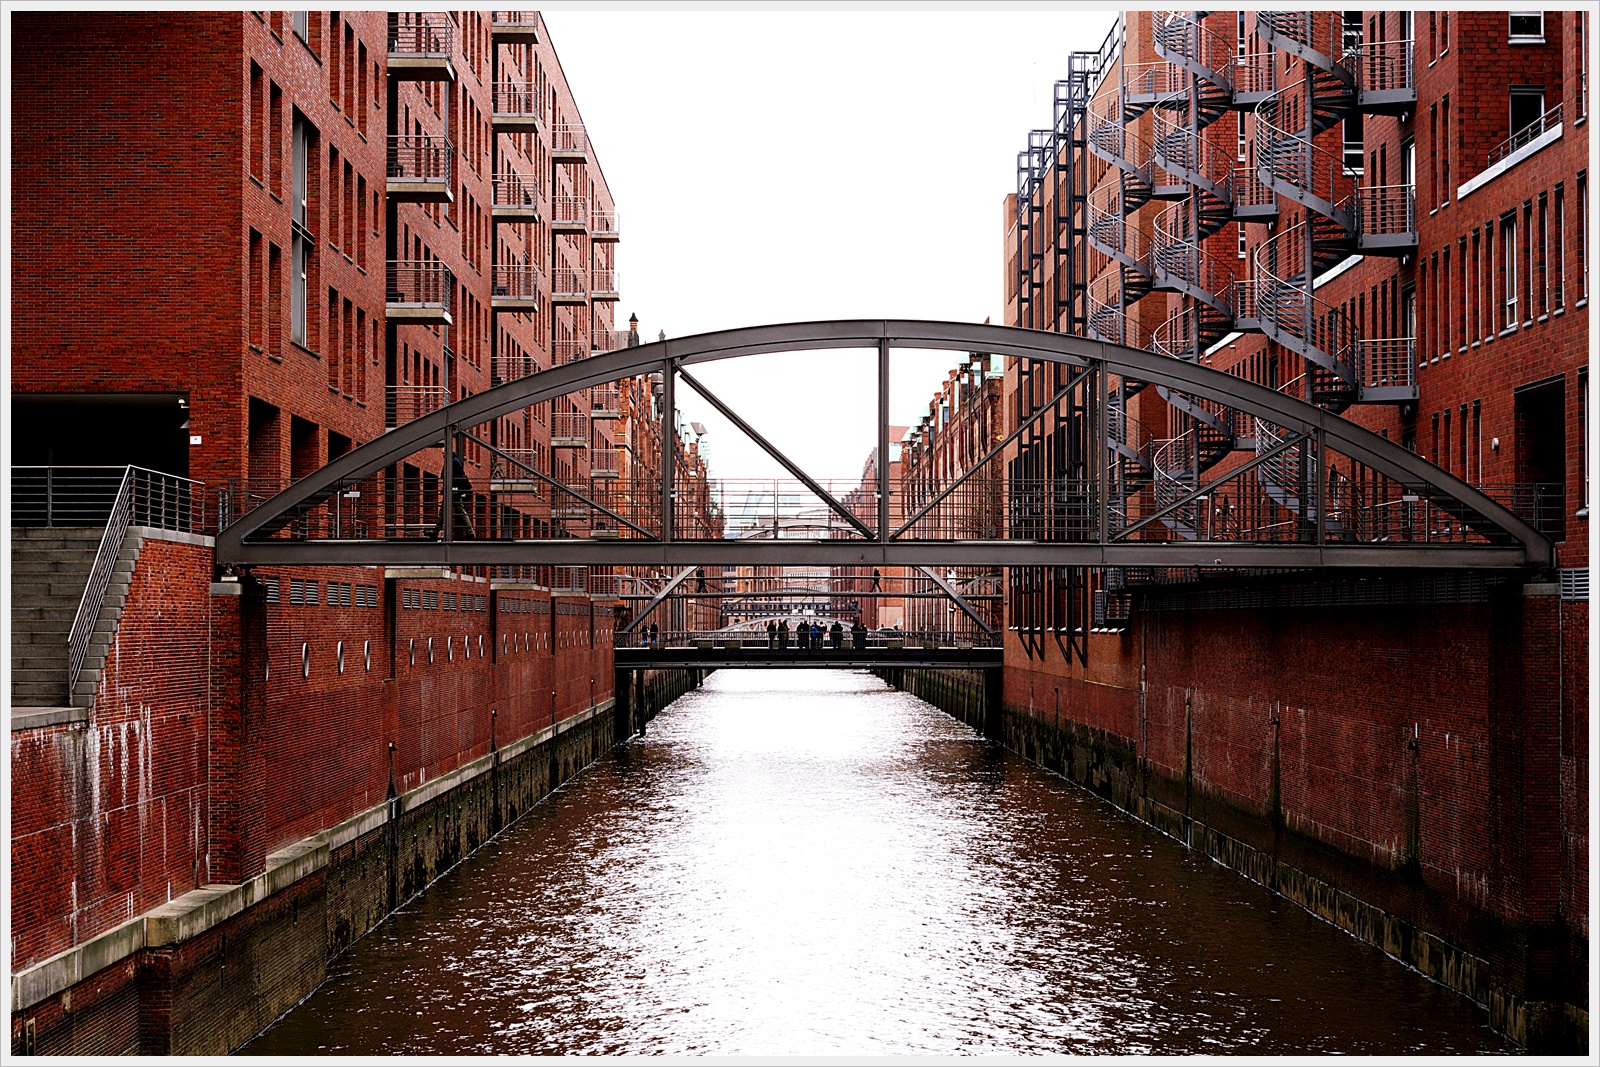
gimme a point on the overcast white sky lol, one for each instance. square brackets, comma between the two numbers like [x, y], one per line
[780, 165]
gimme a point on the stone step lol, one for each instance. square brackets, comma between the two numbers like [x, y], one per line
[34, 638]
[64, 588]
[36, 563]
[29, 696]
[26, 614]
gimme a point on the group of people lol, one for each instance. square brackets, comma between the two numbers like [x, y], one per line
[810, 636]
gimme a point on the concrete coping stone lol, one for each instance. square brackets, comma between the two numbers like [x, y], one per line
[1541, 589]
[66, 969]
[426, 573]
[519, 587]
[187, 916]
[153, 533]
[225, 588]
[37, 718]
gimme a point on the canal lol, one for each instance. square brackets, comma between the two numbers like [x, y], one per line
[799, 862]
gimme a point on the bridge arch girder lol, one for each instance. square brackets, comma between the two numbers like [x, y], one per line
[246, 541]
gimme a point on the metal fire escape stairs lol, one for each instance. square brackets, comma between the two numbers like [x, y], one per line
[1337, 218]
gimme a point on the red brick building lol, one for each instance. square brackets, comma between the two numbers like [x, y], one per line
[308, 227]
[1385, 214]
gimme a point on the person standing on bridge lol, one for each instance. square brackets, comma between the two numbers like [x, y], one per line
[858, 635]
[783, 633]
[460, 496]
[837, 630]
[772, 634]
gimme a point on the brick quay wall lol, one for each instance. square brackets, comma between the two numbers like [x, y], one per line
[265, 776]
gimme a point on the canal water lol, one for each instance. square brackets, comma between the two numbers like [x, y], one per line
[811, 863]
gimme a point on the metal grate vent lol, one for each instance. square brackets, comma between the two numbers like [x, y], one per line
[1575, 583]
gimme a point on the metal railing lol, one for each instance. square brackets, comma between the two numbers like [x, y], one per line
[509, 101]
[566, 350]
[569, 580]
[119, 497]
[569, 426]
[419, 283]
[603, 280]
[569, 137]
[514, 190]
[605, 401]
[509, 368]
[1541, 505]
[420, 159]
[609, 340]
[605, 462]
[569, 210]
[754, 636]
[514, 18]
[1387, 362]
[417, 34]
[1547, 121]
[516, 281]
[1385, 66]
[569, 282]
[406, 402]
[1384, 209]
[603, 223]
[1253, 73]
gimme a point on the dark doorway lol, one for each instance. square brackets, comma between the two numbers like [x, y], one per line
[1541, 456]
[149, 430]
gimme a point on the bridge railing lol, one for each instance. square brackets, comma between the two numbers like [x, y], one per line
[760, 639]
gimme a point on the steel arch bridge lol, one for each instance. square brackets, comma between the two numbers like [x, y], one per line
[1324, 492]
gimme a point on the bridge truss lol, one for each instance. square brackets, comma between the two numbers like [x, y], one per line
[1311, 490]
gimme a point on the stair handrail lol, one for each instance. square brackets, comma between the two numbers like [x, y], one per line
[94, 593]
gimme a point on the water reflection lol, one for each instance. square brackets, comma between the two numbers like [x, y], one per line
[798, 862]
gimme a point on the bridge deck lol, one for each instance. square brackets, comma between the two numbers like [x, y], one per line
[672, 658]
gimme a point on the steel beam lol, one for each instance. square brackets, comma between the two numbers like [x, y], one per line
[588, 552]
[666, 591]
[1412, 472]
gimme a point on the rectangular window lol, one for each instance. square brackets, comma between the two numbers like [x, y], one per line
[1558, 288]
[1544, 255]
[361, 90]
[1527, 111]
[1243, 252]
[1433, 145]
[1444, 32]
[1461, 421]
[303, 144]
[335, 67]
[1445, 319]
[257, 290]
[1444, 147]
[1477, 442]
[1526, 27]
[302, 25]
[1581, 24]
[1508, 269]
[1475, 294]
[258, 123]
[1583, 236]
[333, 340]
[1583, 414]
[361, 221]
[275, 300]
[335, 175]
[1486, 268]
[1466, 295]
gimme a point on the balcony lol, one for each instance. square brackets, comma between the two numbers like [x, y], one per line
[516, 199]
[569, 285]
[1252, 200]
[569, 429]
[569, 143]
[510, 474]
[420, 45]
[419, 292]
[605, 402]
[1388, 369]
[516, 288]
[603, 284]
[605, 463]
[568, 350]
[1525, 136]
[515, 110]
[603, 225]
[514, 27]
[569, 214]
[1386, 84]
[609, 340]
[510, 368]
[1386, 220]
[419, 169]
[403, 403]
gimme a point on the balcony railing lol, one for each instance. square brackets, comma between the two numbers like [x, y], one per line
[1386, 67]
[1541, 505]
[511, 471]
[514, 193]
[419, 288]
[420, 159]
[516, 284]
[1386, 209]
[603, 283]
[516, 108]
[569, 284]
[1548, 121]
[566, 350]
[569, 429]
[609, 340]
[1249, 191]
[402, 403]
[603, 225]
[514, 24]
[88, 496]
[509, 368]
[569, 580]
[569, 139]
[605, 463]
[605, 402]
[420, 34]
[1388, 367]
[570, 211]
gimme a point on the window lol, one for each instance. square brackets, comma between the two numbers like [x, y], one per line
[1544, 255]
[1243, 252]
[1583, 236]
[1558, 288]
[257, 285]
[1527, 109]
[1433, 143]
[1354, 144]
[1444, 32]
[1526, 27]
[304, 145]
[302, 25]
[1241, 149]
[258, 123]
[274, 300]
[1461, 305]
[274, 134]
[1581, 25]
[1444, 146]
[1508, 271]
